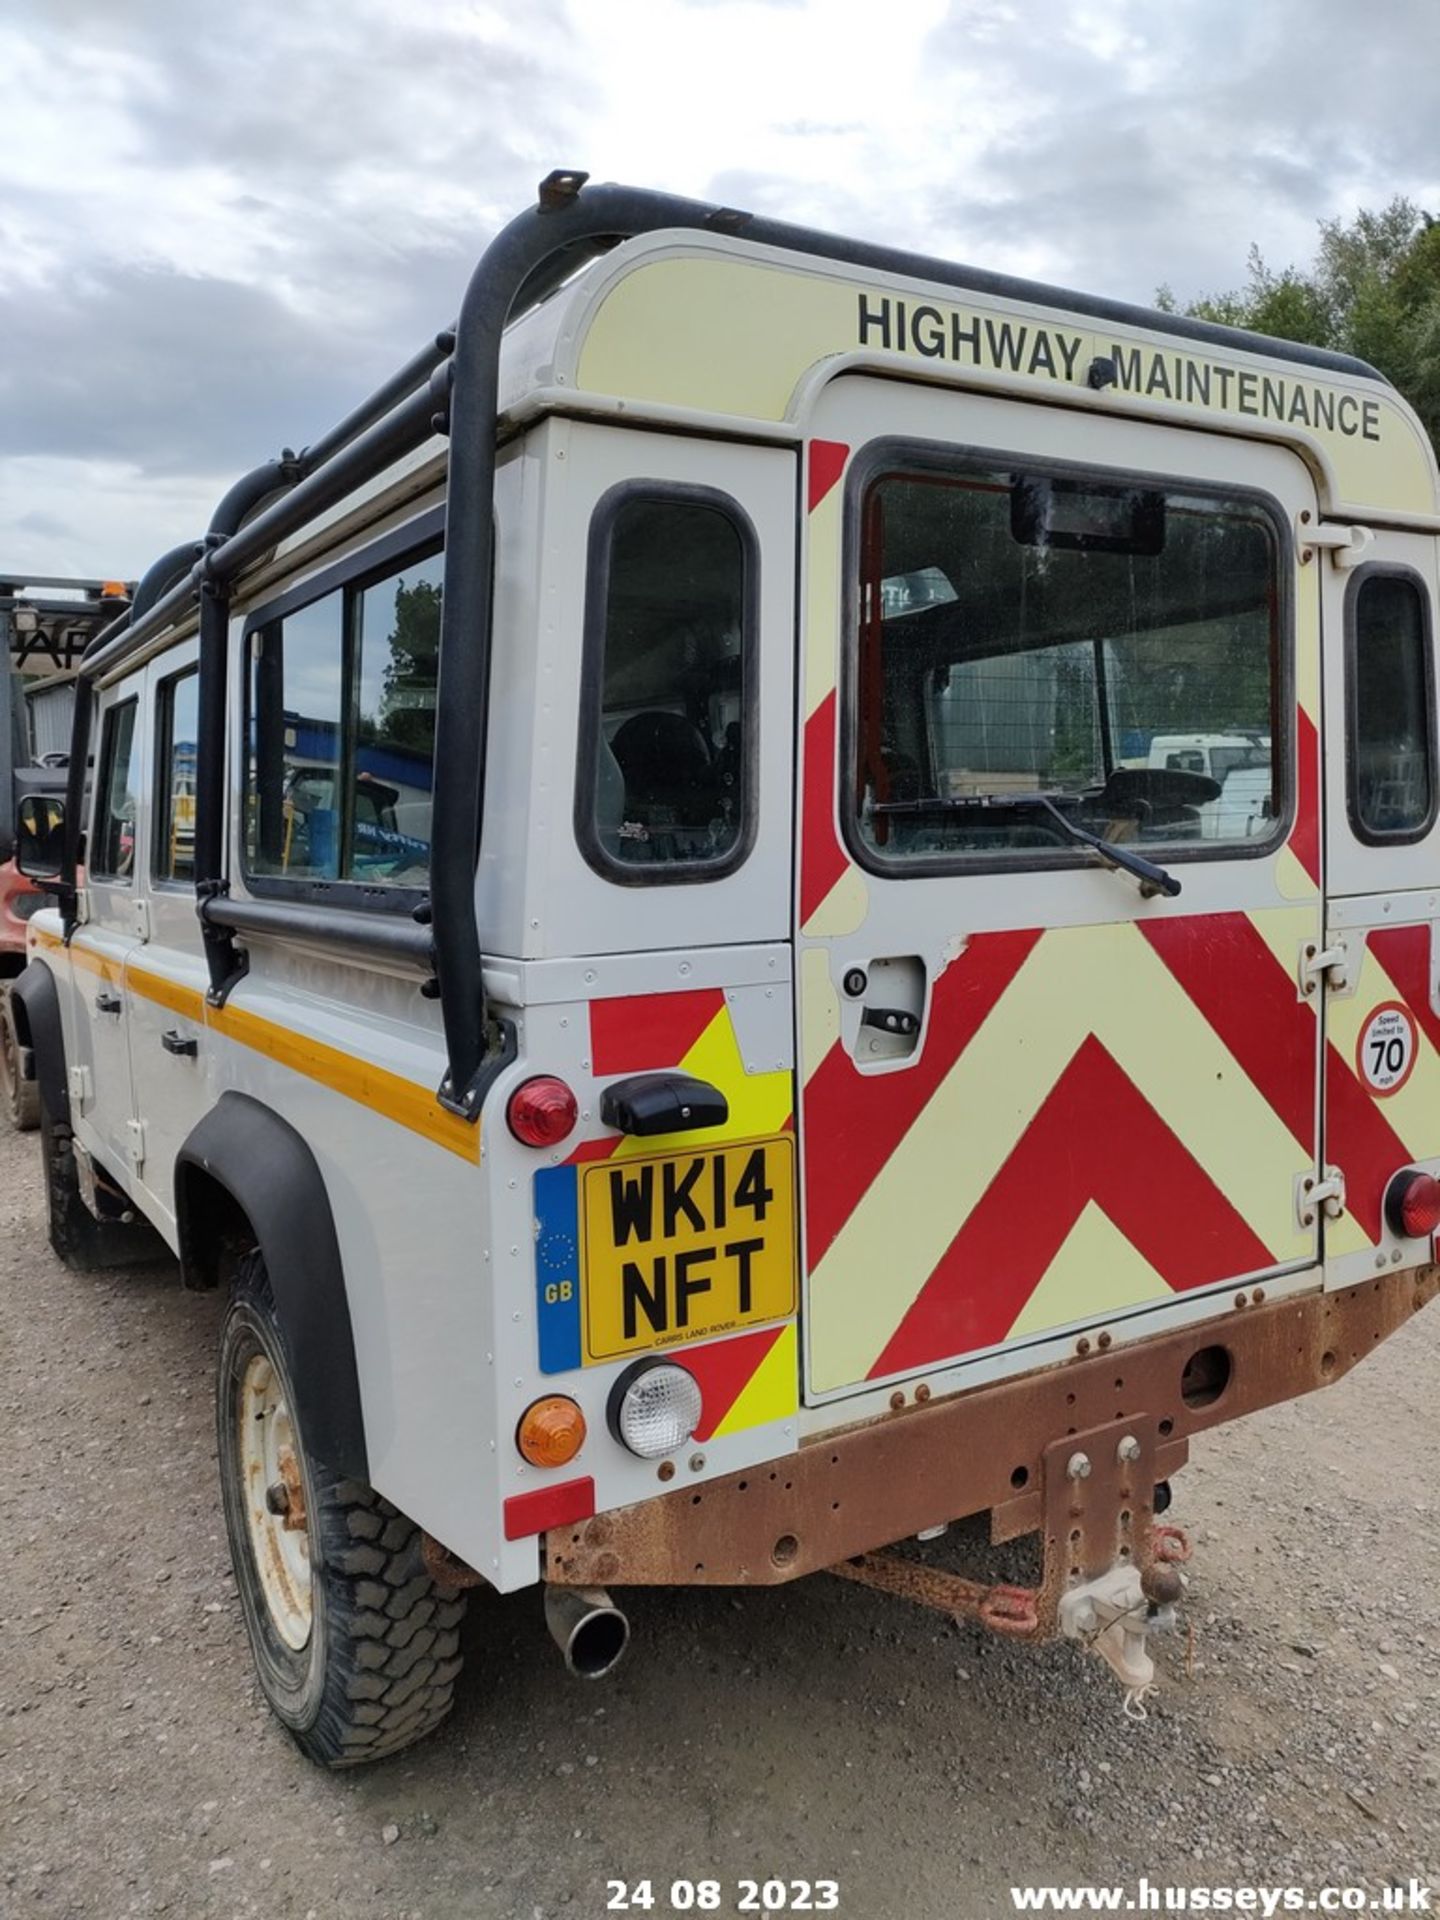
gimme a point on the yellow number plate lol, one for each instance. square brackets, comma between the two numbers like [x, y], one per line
[677, 1246]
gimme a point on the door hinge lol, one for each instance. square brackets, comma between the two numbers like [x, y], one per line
[141, 910]
[1347, 546]
[1327, 967]
[82, 1086]
[1323, 1193]
[136, 1131]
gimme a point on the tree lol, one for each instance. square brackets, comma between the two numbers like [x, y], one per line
[407, 707]
[1373, 291]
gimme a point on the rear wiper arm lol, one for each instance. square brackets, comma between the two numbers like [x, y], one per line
[1152, 879]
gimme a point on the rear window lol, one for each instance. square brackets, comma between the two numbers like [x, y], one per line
[113, 856]
[1031, 641]
[1391, 786]
[667, 740]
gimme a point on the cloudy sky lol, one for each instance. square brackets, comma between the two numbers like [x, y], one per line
[222, 224]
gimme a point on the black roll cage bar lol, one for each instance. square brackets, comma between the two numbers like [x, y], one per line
[451, 387]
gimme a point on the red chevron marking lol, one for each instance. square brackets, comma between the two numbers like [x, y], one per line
[1404, 953]
[1095, 1138]
[1305, 834]
[1360, 1141]
[854, 1122]
[1223, 966]
[649, 1029]
[825, 465]
[822, 858]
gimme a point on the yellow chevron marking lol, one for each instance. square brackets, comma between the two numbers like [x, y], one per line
[771, 1393]
[1095, 1272]
[1292, 882]
[1307, 647]
[822, 597]
[760, 1103]
[1346, 1235]
[1285, 930]
[1104, 980]
[844, 908]
[819, 1009]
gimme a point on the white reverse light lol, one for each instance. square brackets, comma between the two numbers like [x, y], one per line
[655, 1408]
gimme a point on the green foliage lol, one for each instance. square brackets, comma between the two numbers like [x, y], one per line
[1373, 290]
[407, 707]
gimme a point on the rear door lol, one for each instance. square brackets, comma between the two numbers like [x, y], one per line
[165, 976]
[1038, 1097]
[1382, 1077]
[102, 943]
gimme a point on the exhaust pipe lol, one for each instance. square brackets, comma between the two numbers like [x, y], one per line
[587, 1626]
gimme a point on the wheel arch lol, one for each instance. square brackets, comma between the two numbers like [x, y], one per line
[246, 1174]
[35, 998]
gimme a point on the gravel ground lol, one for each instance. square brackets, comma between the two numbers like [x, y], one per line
[817, 1731]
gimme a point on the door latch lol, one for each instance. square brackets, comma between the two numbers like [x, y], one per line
[108, 1002]
[1347, 546]
[1319, 1193]
[183, 1044]
[1327, 967]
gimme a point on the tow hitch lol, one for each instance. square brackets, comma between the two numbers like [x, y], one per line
[1112, 1575]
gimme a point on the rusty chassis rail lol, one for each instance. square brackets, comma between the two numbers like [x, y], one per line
[1073, 1451]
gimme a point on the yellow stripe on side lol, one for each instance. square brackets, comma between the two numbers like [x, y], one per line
[188, 1002]
[771, 1392]
[406, 1102]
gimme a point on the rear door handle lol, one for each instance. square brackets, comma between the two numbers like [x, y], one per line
[662, 1103]
[890, 1019]
[108, 1003]
[183, 1044]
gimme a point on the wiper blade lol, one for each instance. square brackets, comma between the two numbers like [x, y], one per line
[1153, 879]
[965, 802]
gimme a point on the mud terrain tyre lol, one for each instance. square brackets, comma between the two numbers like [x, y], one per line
[19, 1098]
[356, 1648]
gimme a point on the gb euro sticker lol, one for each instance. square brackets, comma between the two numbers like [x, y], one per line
[1385, 1054]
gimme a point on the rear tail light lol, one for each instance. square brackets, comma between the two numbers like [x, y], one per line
[1412, 1204]
[542, 1112]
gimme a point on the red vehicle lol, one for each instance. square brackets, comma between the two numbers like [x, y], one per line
[46, 623]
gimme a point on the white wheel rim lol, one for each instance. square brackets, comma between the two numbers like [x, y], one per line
[274, 1492]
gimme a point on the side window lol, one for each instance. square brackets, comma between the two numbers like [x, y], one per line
[342, 733]
[666, 780]
[1039, 652]
[1391, 779]
[176, 724]
[113, 855]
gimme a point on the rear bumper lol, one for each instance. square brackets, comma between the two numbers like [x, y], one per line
[1003, 1449]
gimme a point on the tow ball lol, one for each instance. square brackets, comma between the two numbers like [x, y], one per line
[1114, 1616]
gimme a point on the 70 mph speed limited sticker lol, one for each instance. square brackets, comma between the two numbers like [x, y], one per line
[1385, 1052]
